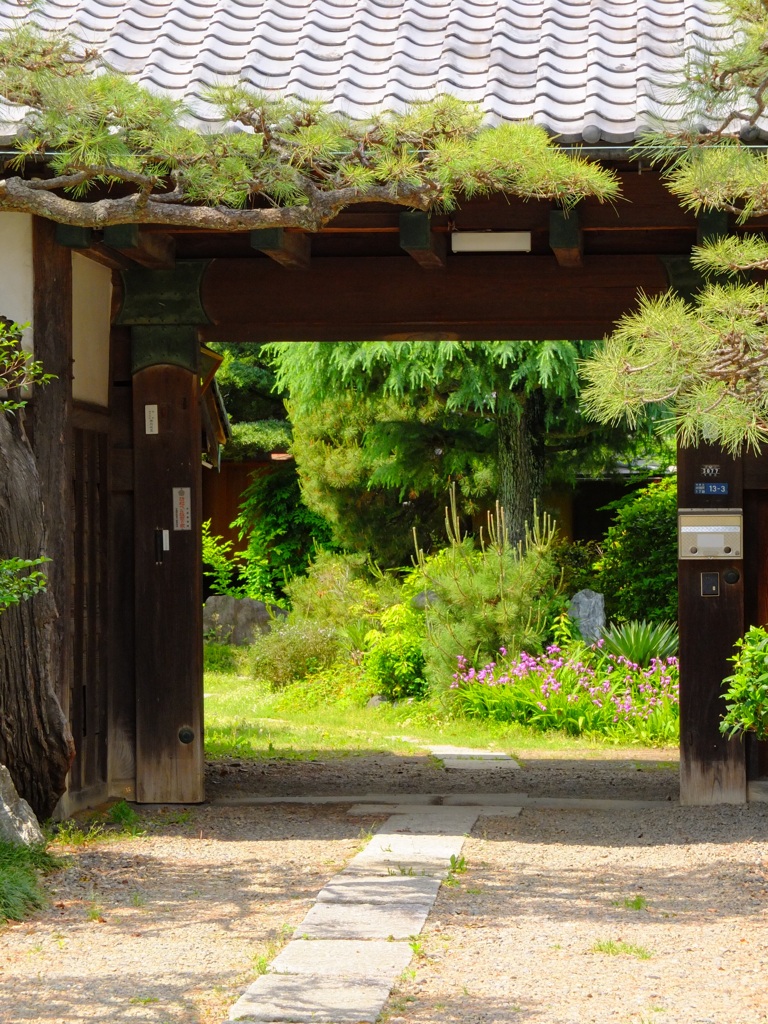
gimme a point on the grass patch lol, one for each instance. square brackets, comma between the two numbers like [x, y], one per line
[20, 890]
[611, 948]
[632, 903]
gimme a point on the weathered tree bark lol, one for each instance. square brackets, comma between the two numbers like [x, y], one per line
[35, 739]
[520, 446]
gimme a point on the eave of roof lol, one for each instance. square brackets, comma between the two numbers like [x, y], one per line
[589, 71]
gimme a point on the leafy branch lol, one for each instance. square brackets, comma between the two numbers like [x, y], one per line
[88, 131]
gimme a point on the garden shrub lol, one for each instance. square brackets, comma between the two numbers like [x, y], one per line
[638, 570]
[641, 641]
[234, 573]
[394, 660]
[488, 594]
[341, 684]
[292, 650]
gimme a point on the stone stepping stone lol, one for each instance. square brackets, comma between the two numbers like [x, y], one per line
[497, 810]
[484, 764]
[343, 958]
[312, 999]
[363, 921]
[389, 889]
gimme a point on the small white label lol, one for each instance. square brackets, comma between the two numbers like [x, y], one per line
[166, 540]
[182, 508]
[150, 419]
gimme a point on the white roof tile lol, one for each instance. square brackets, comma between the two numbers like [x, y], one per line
[585, 69]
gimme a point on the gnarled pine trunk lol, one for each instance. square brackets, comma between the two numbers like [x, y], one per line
[35, 738]
[520, 447]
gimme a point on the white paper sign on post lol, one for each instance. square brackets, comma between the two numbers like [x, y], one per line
[182, 508]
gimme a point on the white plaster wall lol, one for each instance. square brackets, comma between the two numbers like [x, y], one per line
[91, 301]
[16, 271]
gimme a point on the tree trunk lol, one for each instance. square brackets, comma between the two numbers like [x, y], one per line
[520, 445]
[35, 739]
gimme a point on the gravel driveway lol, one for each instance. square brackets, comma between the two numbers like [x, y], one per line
[170, 928]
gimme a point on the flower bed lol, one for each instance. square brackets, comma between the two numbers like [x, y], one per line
[579, 690]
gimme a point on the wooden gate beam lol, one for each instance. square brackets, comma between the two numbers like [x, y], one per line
[475, 297]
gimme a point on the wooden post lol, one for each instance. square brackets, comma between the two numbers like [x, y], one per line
[163, 309]
[169, 629]
[711, 618]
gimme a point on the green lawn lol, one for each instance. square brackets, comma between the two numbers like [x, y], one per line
[245, 719]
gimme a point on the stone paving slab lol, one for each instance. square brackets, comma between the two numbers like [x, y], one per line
[363, 921]
[441, 750]
[586, 804]
[497, 810]
[311, 999]
[476, 800]
[388, 889]
[477, 764]
[376, 959]
[452, 823]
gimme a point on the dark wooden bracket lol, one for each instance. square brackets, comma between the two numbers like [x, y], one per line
[292, 250]
[420, 242]
[566, 239]
[154, 251]
[120, 246]
[683, 277]
[164, 296]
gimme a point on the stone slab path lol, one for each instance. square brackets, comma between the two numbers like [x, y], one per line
[356, 940]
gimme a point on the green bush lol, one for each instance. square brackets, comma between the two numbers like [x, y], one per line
[394, 660]
[638, 571]
[234, 573]
[292, 650]
[344, 592]
[488, 595]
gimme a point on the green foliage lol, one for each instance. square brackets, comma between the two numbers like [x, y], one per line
[99, 127]
[746, 689]
[20, 890]
[577, 562]
[641, 641]
[234, 574]
[252, 440]
[280, 532]
[575, 689]
[19, 580]
[19, 577]
[488, 595]
[292, 650]
[394, 660]
[247, 385]
[638, 572]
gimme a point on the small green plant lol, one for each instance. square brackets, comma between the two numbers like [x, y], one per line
[458, 864]
[746, 689]
[143, 1000]
[138, 899]
[640, 641]
[394, 660]
[632, 903]
[611, 948]
[95, 913]
[123, 814]
[417, 945]
[71, 833]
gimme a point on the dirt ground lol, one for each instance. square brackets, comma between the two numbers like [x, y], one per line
[562, 916]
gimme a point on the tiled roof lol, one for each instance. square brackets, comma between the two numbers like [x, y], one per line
[585, 69]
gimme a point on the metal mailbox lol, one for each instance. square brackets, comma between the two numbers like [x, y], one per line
[702, 533]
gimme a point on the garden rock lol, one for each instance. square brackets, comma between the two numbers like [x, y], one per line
[18, 823]
[587, 608]
[424, 599]
[235, 620]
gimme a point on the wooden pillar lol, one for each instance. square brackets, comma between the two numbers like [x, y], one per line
[169, 627]
[711, 618]
[163, 310]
